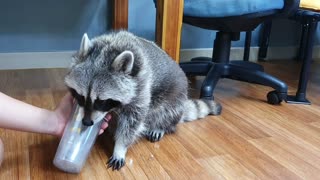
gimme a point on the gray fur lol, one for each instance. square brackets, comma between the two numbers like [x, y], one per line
[151, 87]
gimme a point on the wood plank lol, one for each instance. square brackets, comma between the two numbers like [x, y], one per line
[229, 167]
[168, 26]
[315, 124]
[241, 127]
[191, 142]
[120, 14]
[303, 152]
[178, 163]
[250, 139]
[148, 163]
[286, 158]
[276, 123]
[214, 173]
[249, 156]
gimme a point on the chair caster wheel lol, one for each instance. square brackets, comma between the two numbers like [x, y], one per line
[274, 98]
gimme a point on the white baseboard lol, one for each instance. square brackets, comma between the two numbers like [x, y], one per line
[236, 53]
[34, 60]
[62, 59]
[274, 53]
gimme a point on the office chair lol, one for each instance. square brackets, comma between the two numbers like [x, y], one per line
[229, 18]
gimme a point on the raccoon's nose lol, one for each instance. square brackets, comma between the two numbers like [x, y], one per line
[87, 122]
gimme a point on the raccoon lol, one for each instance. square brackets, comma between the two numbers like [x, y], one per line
[131, 76]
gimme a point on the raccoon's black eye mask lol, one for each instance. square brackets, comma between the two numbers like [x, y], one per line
[105, 105]
[99, 105]
[80, 99]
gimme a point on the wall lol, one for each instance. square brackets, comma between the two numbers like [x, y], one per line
[46, 25]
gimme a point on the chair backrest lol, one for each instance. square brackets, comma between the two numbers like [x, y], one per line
[245, 22]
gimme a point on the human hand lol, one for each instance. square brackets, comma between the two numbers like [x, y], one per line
[104, 125]
[62, 114]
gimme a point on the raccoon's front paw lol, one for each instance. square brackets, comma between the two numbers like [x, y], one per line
[116, 163]
[155, 135]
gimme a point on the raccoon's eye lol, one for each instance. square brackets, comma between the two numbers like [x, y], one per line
[80, 99]
[105, 105]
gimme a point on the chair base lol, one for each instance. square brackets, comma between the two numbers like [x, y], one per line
[236, 70]
[219, 66]
[309, 22]
[297, 100]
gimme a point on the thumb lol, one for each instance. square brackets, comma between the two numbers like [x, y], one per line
[66, 104]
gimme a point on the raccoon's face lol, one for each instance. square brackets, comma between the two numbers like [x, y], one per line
[100, 80]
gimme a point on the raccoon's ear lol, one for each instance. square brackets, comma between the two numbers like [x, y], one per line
[124, 62]
[85, 45]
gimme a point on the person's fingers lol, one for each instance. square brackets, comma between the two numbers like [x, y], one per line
[104, 125]
[108, 117]
[101, 131]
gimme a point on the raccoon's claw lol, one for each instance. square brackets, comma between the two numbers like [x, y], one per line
[155, 135]
[116, 164]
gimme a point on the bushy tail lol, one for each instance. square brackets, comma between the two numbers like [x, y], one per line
[199, 108]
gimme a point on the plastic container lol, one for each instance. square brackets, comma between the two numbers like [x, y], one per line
[76, 143]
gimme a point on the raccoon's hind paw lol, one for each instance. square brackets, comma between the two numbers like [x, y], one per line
[155, 135]
[115, 163]
[217, 109]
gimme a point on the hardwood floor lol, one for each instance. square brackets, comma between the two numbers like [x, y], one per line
[249, 140]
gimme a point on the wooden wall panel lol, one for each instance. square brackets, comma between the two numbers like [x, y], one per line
[120, 14]
[168, 26]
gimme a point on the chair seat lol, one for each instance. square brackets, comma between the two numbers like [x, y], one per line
[227, 8]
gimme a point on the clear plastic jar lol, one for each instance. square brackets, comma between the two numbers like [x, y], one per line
[76, 143]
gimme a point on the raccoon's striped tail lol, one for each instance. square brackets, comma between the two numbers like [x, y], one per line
[199, 108]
